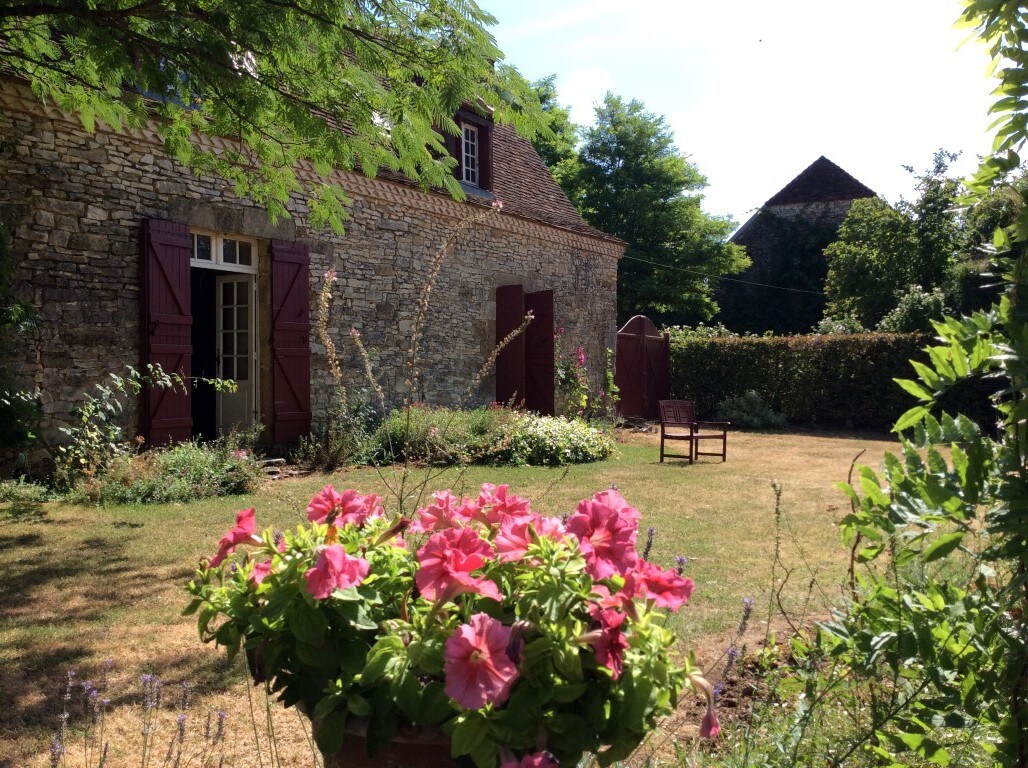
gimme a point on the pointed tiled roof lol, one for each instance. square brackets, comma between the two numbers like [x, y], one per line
[821, 182]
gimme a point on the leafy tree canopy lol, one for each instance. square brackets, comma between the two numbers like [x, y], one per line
[633, 183]
[300, 87]
[929, 246]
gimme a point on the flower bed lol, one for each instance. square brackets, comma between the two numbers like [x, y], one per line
[488, 436]
[525, 639]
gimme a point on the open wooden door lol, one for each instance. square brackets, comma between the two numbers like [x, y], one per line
[510, 363]
[539, 353]
[167, 326]
[290, 341]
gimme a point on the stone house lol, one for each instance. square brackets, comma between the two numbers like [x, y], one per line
[785, 240]
[130, 258]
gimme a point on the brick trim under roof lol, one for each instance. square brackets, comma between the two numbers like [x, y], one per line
[822, 181]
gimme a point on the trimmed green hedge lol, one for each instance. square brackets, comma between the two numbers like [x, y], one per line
[826, 381]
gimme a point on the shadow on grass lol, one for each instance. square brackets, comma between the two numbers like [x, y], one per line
[23, 511]
[68, 604]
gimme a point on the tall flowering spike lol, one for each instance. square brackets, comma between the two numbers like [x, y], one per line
[607, 640]
[334, 570]
[665, 587]
[477, 669]
[606, 535]
[447, 561]
[243, 533]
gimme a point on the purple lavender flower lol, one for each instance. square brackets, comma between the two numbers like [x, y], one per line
[186, 695]
[105, 674]
[718, 690]
[56, 752]
[681, 563]
[747, 609]
[181, 720]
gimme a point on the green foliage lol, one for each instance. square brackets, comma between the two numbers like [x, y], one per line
[828, 326]
[345, 440]
[703, 331]
[278, 80]
[749, 411]
[437, 435]
[790, 251]
[445, 436]
[634, 184]
[915, 310]
[184, 472]
[830, 381]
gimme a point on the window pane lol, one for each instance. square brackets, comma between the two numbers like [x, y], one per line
[469, 155]
[228, 315]
[228, 370]
[242, 368]
[202, 247]
[246, 254]
[243, 318]
[228, 343]
[228, 251]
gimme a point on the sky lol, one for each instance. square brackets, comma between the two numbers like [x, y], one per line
[756, 90]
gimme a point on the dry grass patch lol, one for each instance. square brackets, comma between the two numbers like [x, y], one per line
[82, 584]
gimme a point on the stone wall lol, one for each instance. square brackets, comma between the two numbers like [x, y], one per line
[78, 200]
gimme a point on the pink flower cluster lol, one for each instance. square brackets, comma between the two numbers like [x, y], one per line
[469, 544]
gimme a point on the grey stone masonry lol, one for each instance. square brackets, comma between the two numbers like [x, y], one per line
[78, 200]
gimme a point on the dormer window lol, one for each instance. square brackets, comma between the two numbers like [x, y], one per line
[469, 154]
[471, 147]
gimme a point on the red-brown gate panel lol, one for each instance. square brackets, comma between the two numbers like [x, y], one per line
[167, 326]
[539, 353]
[510, 363]
[290, 341]
[642, 370]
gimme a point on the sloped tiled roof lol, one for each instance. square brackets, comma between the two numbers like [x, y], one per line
[822, 181]
[526, 187]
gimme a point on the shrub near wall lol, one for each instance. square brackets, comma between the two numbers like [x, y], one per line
[830, 380]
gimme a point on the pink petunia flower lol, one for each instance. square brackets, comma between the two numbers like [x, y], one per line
[346, 507]
[334, 570]
[535, 760]
[607, 639]
[605, 536]
[497, 502]
[664, 587]
[243, 533]
[616, 501]
[477, 669]
[447, 560]
[514, 538]
[447, 511]
[260, 571]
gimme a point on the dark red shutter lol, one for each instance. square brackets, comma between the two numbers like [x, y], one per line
[167, 326]
[539, 353]
[290, 341]
[510, 364]
[485, 157]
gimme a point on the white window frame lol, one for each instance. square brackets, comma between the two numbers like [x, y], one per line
[470, 149]
[217, 242]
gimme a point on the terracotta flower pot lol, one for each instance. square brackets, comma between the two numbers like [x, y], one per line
[410, 748]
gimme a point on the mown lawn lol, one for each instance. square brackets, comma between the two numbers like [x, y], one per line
[80, 584]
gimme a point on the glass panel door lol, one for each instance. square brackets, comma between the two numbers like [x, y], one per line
[236, 410]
